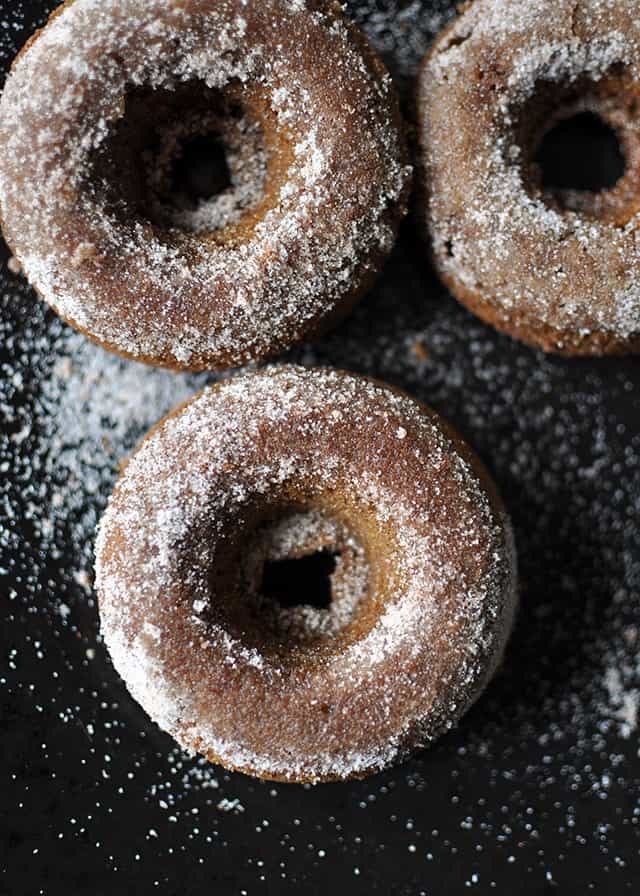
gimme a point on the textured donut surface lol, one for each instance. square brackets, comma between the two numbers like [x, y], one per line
[558, 271]
[264, 264]
[273, 465]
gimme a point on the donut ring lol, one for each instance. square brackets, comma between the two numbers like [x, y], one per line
[556, 270]
[273, 465]
[93, 121]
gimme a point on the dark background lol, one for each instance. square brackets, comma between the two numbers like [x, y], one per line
[538, 788]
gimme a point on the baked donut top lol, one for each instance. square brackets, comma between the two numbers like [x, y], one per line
[398, 661]
[504, 72]
[241, 277]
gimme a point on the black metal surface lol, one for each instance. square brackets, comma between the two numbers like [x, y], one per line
[538, 788]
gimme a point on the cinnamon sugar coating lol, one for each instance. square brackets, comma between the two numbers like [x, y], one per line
[98, 109]
[559, 270]
[277, 464]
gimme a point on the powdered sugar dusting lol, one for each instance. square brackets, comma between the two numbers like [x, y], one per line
[443, 624]
[166, 295]
[536, 265]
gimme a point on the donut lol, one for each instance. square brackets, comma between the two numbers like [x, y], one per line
[558, 268]
[290, 466]
[111, 117]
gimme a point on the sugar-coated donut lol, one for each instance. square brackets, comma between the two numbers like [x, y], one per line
[278, 464]
[95, 120]
[557, 269]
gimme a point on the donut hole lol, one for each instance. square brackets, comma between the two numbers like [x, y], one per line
[306, 576]
[193, 161]
[300, 581]
[294, 583]
[578, 146]
[200, 170]
[208, 172]
[581, 152]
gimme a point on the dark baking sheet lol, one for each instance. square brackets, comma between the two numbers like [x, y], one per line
[538, 788]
